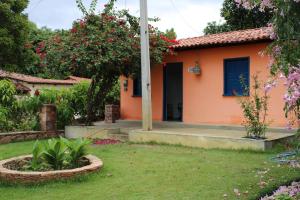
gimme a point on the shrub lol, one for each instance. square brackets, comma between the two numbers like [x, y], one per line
[57, 154]
[61, 98]
[79, 101]
[255, 106]
[76, 149]
[36, 163]
[13, 115]
[7, 93]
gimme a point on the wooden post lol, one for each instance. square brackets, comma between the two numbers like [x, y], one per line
[145, 61]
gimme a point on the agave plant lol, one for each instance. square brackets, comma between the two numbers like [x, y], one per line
[77, 149]
[55, 153]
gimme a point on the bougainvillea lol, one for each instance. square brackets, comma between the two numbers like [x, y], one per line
[102, 47]
[285, 49]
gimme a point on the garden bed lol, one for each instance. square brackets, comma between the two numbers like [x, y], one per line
[9, 170]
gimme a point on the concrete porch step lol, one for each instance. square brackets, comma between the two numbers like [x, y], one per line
[206, 139]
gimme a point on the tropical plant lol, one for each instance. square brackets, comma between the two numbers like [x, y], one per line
[55, 153]
[255, 108]
[36, 163]
[76, 150]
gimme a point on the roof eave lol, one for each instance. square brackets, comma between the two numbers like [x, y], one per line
[201, 46]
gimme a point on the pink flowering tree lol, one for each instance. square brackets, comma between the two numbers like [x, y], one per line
[285, 49]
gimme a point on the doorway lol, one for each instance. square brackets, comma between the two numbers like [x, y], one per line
[173, 92]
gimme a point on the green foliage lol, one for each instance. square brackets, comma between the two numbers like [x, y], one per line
[130, 166]
[171, 34]
[113, 96]
[14, 32]
[102, 47]
[83, 9]
[76, 149]
[13, 114]
[284, 197]
[255, 109]
[239, 18]
[79, 102]
[36, 163]
[57, 154]
[61, 98]
[214, 27]
[7, 93]
[5, 123]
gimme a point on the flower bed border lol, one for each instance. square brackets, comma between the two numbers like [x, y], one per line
[13, 176]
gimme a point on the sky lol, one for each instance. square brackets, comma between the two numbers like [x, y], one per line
[188, 17]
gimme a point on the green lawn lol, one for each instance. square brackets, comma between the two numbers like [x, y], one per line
[158, 172]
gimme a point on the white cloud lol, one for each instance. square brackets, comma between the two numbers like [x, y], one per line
[188, 17]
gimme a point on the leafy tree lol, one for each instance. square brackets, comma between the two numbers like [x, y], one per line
[102, 47]
[171, 34]
[14, 32]
[214, 27]
[239, 18]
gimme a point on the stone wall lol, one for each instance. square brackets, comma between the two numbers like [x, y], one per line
[29, 135]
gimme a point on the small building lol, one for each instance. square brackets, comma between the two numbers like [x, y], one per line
[198, 85]
[26, 84]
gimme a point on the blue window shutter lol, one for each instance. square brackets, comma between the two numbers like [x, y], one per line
[234, 69]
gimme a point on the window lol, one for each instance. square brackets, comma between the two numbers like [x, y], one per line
[234, 70]
[137, 86]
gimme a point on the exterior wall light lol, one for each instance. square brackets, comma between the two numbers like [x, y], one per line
[195, 69]
[125, 85]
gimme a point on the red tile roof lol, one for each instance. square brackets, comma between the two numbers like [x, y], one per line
[76, 78]
[233, 37]
[36, 80]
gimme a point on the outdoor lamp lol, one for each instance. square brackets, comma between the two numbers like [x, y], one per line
[125, 85]
[195, 69]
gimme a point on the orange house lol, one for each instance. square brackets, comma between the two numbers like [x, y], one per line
[198, 83]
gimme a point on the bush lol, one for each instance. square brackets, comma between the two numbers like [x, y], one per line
[57, 154]
[13, 115]
[79, 102]
[7, 93]
[71, 103]
[255, 106]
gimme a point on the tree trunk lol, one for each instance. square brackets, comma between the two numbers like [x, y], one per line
[96, 97]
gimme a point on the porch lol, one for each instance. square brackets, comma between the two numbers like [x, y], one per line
[200, 135]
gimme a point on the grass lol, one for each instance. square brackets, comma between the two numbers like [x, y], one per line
[133, 171]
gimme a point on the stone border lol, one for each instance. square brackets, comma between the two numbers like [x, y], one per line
[13, 176]
[6, 138]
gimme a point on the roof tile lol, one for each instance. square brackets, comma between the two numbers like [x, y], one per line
[233, 37]
[36, 80]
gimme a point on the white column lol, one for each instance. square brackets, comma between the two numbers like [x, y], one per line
[145, 61]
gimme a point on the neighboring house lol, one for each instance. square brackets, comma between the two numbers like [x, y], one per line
[26, 84]
[181, 93]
